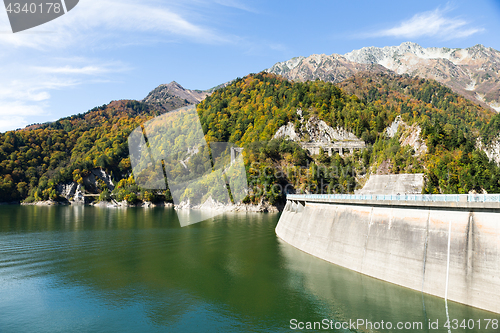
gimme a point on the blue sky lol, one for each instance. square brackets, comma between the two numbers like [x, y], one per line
[105, 50]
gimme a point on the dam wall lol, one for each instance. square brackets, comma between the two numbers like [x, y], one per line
[450, 250]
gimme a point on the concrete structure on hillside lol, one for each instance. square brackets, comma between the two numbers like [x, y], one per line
[442, 245]
[338, 146]
[394, 184]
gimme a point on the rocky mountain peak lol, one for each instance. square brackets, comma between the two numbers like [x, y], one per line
[173, 85]
[172, 95]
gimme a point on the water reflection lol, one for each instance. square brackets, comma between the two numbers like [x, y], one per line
[349, 296]
[97, 269]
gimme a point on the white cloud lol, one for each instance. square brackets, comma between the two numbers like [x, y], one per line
[53, 56]
[48, 57]
[93, 21]
[430, 24]
[85, 70]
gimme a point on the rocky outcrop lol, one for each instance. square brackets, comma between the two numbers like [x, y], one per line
[492, 149]
[44, 203]
[90, 181]
[67, 190]
[391, 131]
[287, 131]
[72, 191]
[318, 131]
[125, 204]
[409, 135]
[313, 130]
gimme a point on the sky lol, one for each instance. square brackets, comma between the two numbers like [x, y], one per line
[105, 50]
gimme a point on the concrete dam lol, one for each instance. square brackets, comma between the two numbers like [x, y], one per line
[443, 245]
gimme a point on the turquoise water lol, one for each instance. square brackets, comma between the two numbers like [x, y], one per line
[88, 269]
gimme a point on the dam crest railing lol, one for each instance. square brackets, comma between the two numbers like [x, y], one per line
[401, 197]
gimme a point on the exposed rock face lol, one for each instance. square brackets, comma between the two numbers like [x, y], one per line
[410, 135]
[67, 190]
[43, 203]
[314, 130]
[79, 198]
[287, 131]
[492, 150]
[319, 131]
[72, 191]
[393, 128]
[473, 72]
[173, 96]
[90, 181]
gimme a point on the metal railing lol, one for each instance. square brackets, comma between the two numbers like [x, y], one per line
[401, 197]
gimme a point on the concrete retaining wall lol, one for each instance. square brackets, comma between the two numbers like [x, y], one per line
[409, 246]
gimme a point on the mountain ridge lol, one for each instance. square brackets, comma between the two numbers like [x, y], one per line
[473, 72]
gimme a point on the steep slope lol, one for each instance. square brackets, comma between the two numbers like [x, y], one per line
[472, 72]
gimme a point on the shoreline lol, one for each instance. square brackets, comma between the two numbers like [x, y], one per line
[262, 207]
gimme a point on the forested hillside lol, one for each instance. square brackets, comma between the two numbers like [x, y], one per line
[248, 112]
[33, 161]
[253, 108]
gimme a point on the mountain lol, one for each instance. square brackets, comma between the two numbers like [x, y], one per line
[48, 161]
[472, 72]
[172, 96]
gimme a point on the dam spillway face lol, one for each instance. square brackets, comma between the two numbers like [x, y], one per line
[450, 253]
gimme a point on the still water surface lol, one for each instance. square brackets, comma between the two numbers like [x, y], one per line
[86, 269]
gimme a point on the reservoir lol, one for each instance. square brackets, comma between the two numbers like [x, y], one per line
[90, 269]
